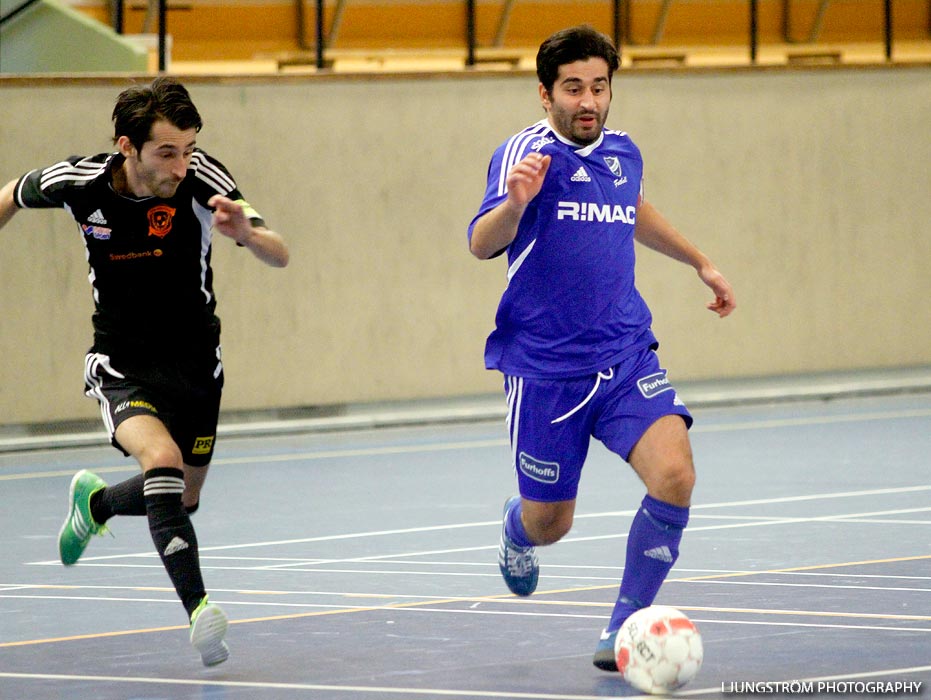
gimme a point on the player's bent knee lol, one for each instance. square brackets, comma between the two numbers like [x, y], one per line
[674, 485]
[164, 455]
[545, 530]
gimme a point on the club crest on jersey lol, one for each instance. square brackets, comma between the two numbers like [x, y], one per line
[160, 218]
[614, 165]
[544, 472]
[654, 384]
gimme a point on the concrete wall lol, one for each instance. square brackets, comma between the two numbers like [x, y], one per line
[809, 188]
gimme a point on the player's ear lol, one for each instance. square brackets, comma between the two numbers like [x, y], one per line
[544, 97]
[125, 147]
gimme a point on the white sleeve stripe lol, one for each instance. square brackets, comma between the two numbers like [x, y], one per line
[513, 151]
[47, 180]
[215, 183]
[66, 172]
[211, 174]
[512, 155]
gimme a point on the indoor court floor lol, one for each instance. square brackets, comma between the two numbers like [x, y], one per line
[362, 564]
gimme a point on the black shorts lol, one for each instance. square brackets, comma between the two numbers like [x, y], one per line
[183, 393]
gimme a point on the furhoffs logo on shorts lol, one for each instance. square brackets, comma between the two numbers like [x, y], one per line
[544, 472]
[654, 384]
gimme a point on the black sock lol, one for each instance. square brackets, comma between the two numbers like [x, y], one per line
[124, 498]
[173, 533]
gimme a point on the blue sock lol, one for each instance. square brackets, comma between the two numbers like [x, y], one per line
[514, 528]
[652, 549]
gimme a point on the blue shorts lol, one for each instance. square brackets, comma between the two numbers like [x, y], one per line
[551, 421]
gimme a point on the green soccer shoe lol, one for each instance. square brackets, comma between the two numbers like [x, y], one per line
[79, 526]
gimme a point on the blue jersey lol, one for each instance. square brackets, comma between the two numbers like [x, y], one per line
[570, 307]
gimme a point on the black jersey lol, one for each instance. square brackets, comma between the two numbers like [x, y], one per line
[149, 257]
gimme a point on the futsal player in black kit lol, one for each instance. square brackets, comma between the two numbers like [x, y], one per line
[146, 213]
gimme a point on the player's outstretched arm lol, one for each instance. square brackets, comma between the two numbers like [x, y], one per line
[7, 206]
[230, 219]
[497, 229]
[653, 231]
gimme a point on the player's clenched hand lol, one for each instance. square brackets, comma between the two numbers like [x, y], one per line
[526, 178]
[724, 301]
[230, 219]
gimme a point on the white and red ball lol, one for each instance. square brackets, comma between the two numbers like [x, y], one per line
[658, 649]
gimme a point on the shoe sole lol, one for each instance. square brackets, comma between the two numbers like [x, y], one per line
[605, 663]
[605, 658]
[207, 633]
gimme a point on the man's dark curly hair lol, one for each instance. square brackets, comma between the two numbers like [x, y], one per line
[571, 45]
[139, 106]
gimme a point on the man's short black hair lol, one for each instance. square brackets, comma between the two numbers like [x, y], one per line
[571, 45]
[139, 106]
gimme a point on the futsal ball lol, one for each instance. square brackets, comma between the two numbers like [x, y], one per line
[658, 649]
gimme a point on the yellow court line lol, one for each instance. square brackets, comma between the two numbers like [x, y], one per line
[736, 574]
[96, 635]
[272, 618]
[69, 473]
[811, 613]
[294, 457]
[498, 598]
[750, 611]
[813, 567]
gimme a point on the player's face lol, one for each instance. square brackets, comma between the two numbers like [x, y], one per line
[162, 164]
[579, 102]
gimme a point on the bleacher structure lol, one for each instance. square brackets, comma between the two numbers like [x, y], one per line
[440, 35]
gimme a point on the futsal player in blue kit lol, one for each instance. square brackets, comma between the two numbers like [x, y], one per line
[572, 334]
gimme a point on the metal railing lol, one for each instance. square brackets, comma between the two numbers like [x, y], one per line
[621, 13]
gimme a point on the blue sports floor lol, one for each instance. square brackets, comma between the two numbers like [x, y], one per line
[362, 564]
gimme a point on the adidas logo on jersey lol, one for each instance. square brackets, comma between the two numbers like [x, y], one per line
[176, 545]
[661, 553]
[580, 176]
[96, 218]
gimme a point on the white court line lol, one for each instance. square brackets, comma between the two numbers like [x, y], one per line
[884, 521]
[678, 576]
[396, 609]
[623, 535]
[505, 601]
[497, 523]
[90, 561]
[834, 586]
[503, 442]
[812, 420]
[218, 683]
[697, 620]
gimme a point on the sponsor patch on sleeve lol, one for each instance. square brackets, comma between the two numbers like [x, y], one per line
[544, 472]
